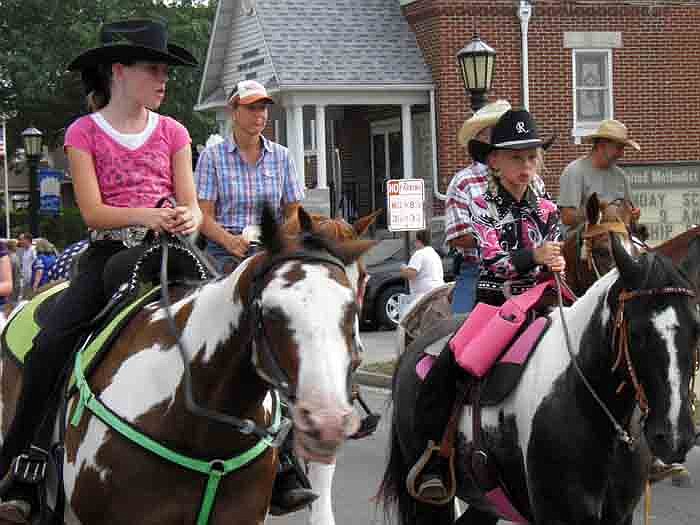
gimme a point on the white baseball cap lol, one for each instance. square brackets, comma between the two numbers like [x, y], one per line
[249, 92]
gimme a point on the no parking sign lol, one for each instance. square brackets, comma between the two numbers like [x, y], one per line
[405, 199]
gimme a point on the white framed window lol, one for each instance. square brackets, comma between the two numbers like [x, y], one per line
[593, 89]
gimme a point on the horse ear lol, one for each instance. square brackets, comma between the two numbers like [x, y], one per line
[363, 223]
[304, 220]
[691, 264]
[630, 269]
[593, 209]
[350, 251]
[270, 233]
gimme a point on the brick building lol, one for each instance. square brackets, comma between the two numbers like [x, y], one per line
[385, 74]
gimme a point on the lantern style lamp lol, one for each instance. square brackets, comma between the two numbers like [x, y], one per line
[476, 64]
[33, 145]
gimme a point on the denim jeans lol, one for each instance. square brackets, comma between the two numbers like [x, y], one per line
[465, 288]
[220, 256]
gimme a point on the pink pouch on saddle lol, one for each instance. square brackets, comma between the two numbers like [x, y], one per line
[488, 330]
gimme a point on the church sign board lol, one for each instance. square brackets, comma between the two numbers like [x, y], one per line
[668, 195]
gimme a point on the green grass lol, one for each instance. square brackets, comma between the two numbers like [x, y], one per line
[381, 367]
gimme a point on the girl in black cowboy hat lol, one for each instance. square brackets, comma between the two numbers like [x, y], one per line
[517, 234]
[124, 160]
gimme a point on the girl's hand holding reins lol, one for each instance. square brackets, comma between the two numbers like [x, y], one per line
[183, 221]
[549, 254]
[158, 219]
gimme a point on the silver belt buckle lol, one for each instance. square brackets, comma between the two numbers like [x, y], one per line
[134, 236]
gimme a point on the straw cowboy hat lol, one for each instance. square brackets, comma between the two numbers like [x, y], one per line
[131, 40]
[613, 130]
[514, 130]
[484, 118]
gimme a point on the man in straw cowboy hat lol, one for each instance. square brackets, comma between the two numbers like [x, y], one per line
[464, 187]
[597, 172]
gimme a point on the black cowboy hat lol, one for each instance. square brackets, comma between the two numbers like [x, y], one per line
[516, 129]
[131, 40]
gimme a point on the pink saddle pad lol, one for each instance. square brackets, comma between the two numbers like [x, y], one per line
[488, 330]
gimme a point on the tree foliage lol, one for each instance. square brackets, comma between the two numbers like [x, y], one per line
[38, 38]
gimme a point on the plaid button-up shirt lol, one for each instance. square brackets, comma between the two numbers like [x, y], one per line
[239, 190]
[464, 187]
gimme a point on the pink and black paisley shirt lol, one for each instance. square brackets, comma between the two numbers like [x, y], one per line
[507, 232]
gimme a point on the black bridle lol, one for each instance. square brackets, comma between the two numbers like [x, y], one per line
[266, 364]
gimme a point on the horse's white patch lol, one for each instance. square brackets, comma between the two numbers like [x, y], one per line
[143, 381]
[86, 456]
[353, 273]
[215, 316]
[667, 324]
[158, 314]
[316, 308]
[548, 363]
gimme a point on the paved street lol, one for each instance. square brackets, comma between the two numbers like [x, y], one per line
[361, 464]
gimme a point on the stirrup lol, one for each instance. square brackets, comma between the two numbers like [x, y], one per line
[31, 466]
[417, 469]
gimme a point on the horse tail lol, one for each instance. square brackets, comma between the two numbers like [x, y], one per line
[392, 494]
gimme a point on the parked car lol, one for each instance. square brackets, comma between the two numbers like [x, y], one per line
[385, 289]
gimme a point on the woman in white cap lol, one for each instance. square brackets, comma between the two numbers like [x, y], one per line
[124, 159]
[235, 177]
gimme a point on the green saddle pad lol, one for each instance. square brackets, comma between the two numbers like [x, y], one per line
[22, 327]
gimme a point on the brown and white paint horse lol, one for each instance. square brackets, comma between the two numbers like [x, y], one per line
[307, 321]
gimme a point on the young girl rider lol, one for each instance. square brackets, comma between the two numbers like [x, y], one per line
[124, 159]
[517, 235]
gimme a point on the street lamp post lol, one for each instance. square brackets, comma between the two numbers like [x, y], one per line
[476, 64]
[32, 138]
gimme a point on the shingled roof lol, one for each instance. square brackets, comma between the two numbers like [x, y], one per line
[319, 43]
[341, 41]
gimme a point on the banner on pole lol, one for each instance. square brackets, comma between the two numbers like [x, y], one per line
[2, 139]
[50, 191]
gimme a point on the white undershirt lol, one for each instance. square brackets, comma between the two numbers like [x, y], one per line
[130, 141]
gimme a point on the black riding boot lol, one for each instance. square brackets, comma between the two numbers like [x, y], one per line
[292, 489]
[433, 409]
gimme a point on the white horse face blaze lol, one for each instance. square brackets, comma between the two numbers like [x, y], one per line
[316, 308]
[667, 325]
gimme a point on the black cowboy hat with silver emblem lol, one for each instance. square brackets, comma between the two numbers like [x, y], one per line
[516, 129]
[131, 40]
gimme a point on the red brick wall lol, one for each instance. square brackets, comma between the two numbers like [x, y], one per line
[656, 89]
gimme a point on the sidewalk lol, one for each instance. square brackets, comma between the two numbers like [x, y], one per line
[380, 347]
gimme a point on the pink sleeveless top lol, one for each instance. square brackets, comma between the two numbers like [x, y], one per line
[131, 178]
